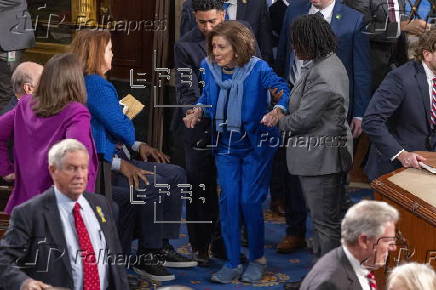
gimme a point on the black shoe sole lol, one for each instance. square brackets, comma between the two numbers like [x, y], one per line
[149, 276]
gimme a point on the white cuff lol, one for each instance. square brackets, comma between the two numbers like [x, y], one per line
[281, 107]
[116, 163]
[398, 154]
[358, 118]
[135, 146]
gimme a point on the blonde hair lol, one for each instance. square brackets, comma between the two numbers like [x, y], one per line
[412, 276]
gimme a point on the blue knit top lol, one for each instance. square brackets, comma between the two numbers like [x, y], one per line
[109, 125]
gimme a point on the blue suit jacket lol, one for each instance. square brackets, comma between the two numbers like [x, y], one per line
[398, 117]
[254, 103]
[352, 50]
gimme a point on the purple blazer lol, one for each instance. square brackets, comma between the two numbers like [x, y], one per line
[32, 138]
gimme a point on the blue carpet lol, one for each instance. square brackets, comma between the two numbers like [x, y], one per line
[281, 267]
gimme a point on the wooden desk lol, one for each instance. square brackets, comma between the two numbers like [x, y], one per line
[413, 193]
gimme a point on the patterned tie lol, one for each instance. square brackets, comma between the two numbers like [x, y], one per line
[433, 104]
[391, 11]
[91, 280]
[226, 11]
[372, 281]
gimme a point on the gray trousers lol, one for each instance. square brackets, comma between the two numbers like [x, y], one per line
[324, 196]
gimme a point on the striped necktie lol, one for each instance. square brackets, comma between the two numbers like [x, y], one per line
[226, 10]
[433, 104]
[372, 281]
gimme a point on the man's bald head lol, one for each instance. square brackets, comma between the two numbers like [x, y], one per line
[25, 78]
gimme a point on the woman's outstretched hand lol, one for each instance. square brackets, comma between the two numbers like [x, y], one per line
[193, 117]
[272, 118]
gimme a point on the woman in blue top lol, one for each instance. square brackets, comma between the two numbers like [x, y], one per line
[235, 96]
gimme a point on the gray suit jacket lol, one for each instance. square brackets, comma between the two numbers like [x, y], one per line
[321, 141]
[332, 272]
[15, 25]
[35, 246]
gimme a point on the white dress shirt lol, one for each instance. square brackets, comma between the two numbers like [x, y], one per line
[326, 12]
[360, 271]
[98, 241]
[233, 9]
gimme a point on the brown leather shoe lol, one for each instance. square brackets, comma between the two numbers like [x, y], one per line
[290, 244]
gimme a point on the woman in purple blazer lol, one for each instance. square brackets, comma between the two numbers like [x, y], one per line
[55, 112]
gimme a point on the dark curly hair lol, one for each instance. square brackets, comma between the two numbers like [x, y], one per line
[205, 5]
[312, 37]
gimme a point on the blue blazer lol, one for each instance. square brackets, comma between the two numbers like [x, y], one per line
[254, 104]
[398, 117]
[109, 125]
[352, 50]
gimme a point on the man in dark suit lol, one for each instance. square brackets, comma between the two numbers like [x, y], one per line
[368, 235]
[400, 117]
[386, 25]
[255, 12]
[63, 237]
[16, 34]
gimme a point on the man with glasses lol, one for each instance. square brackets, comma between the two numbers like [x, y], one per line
[368, 235]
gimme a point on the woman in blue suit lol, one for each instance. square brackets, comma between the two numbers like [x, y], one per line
[235, 96]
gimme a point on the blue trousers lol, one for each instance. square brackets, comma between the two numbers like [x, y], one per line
[244, 178]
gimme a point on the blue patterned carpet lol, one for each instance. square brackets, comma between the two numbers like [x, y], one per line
[281, 267]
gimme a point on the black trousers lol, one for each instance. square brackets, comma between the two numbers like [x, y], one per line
[324, 195]
[152, 213]
[288, 186]
[6, 69]
[201, 174]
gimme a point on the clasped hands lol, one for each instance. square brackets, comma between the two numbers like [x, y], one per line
[135, 174]
[193, 117]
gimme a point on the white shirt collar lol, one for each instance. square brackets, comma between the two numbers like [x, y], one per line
[232, 2]
[327, 12]
[428, 72]
[357, 267]
[66, 202]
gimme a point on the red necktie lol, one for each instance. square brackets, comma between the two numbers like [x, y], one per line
[91, 280]
[372, 281]
[391, 11]
[433, 104]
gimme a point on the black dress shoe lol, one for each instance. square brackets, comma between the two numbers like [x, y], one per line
[292, 285]
[202, 257]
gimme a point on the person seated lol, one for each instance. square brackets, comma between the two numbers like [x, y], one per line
[58, 238]
[368, 235]
[56, 111]
[111, 128]
[412, 276]
[24, 81]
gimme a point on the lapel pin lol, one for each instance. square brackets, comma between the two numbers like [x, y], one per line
[100, 213]
[338, 16]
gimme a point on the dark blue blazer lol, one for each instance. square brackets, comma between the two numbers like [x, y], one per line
[352, 50]
[398, 117]
[255, 12]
